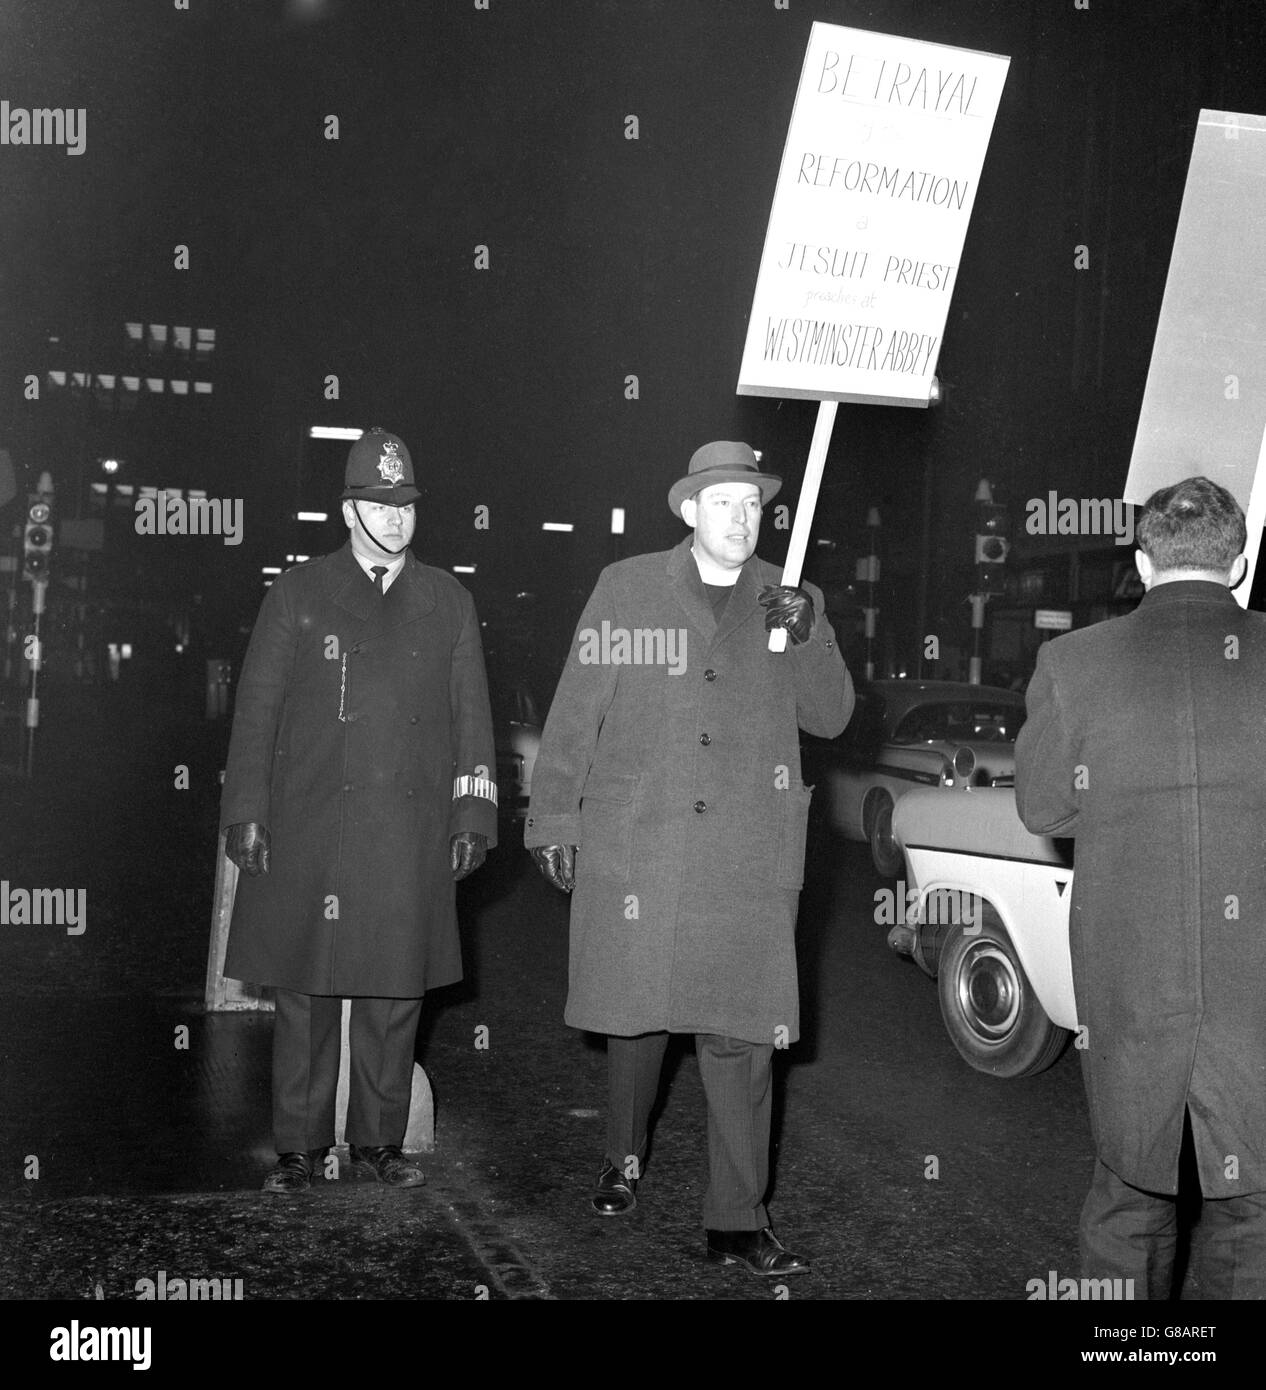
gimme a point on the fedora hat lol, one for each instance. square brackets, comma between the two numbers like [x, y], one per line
[379, 469]
[722, 461]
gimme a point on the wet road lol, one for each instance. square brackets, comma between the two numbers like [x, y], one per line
[900, 1171]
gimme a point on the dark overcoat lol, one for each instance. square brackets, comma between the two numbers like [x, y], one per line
[1146, 741]
[680, 783]
[356, 716]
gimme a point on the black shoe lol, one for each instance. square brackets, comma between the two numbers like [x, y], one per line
[613, 1193]
[388, 1165]
[760, 1251]
[293, 1173]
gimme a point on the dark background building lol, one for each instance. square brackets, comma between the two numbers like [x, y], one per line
[312, 258]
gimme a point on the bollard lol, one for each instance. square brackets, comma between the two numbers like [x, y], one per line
[419, 1137]
[224, 995]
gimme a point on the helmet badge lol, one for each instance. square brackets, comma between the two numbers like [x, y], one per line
[390, 465]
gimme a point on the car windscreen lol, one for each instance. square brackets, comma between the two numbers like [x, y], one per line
[960, 721]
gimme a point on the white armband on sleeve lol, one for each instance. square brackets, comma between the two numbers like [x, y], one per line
[475, 786]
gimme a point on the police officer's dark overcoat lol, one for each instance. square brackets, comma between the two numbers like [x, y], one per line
[356, 716]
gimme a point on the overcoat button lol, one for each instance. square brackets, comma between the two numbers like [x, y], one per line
[701, 806]
[347, 786]
[705, 739]
[413, 719]
[709, 675]
[352, 718]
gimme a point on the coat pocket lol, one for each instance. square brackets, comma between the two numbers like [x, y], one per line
[606, 826]
[795, 828]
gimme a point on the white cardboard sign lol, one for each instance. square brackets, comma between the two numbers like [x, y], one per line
[1204, 409]
[878, 177]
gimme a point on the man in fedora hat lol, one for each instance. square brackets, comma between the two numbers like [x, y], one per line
[667, 799]
[359, 788]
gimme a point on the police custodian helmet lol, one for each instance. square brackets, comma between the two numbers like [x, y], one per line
[379, 469]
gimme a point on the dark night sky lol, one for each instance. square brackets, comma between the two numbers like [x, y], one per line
[608, 256]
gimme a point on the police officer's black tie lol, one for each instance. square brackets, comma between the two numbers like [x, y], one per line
[378, 571]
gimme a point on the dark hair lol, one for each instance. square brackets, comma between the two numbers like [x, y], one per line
[1193, 525]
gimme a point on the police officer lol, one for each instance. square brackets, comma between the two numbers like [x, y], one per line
[359, 788]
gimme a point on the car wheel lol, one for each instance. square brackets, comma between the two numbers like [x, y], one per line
[990, 1010]
[886, 853]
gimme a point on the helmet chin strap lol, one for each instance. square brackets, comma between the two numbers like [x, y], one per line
[385, 550]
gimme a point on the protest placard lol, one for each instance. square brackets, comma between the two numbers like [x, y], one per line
[1204, 407]
[876, 187]
[878, 178]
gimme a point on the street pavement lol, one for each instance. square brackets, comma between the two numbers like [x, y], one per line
[899, 1171]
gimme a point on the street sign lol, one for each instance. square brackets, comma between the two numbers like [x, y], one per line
[1054, 619]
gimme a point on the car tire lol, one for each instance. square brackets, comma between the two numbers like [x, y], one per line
[885, 852]
[991, 1012]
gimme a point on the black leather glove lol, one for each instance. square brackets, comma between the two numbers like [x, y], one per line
[249, 846]
[789, 608]
[467, 851]
[558, 864]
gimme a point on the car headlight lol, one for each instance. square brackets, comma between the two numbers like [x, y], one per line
[964, 764]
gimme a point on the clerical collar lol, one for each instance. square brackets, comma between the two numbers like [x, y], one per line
[725, 583]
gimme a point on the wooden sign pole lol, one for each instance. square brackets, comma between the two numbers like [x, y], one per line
[1254, 520]
[805, 508]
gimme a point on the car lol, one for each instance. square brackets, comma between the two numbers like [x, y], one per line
[517, 738]
[906, 734]
[989, 922]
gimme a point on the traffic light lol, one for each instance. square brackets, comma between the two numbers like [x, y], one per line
[37, 538]
[992, 547]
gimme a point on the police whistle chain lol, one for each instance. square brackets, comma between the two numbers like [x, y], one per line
[805, 507]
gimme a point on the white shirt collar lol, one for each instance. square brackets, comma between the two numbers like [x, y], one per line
[393, 568]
